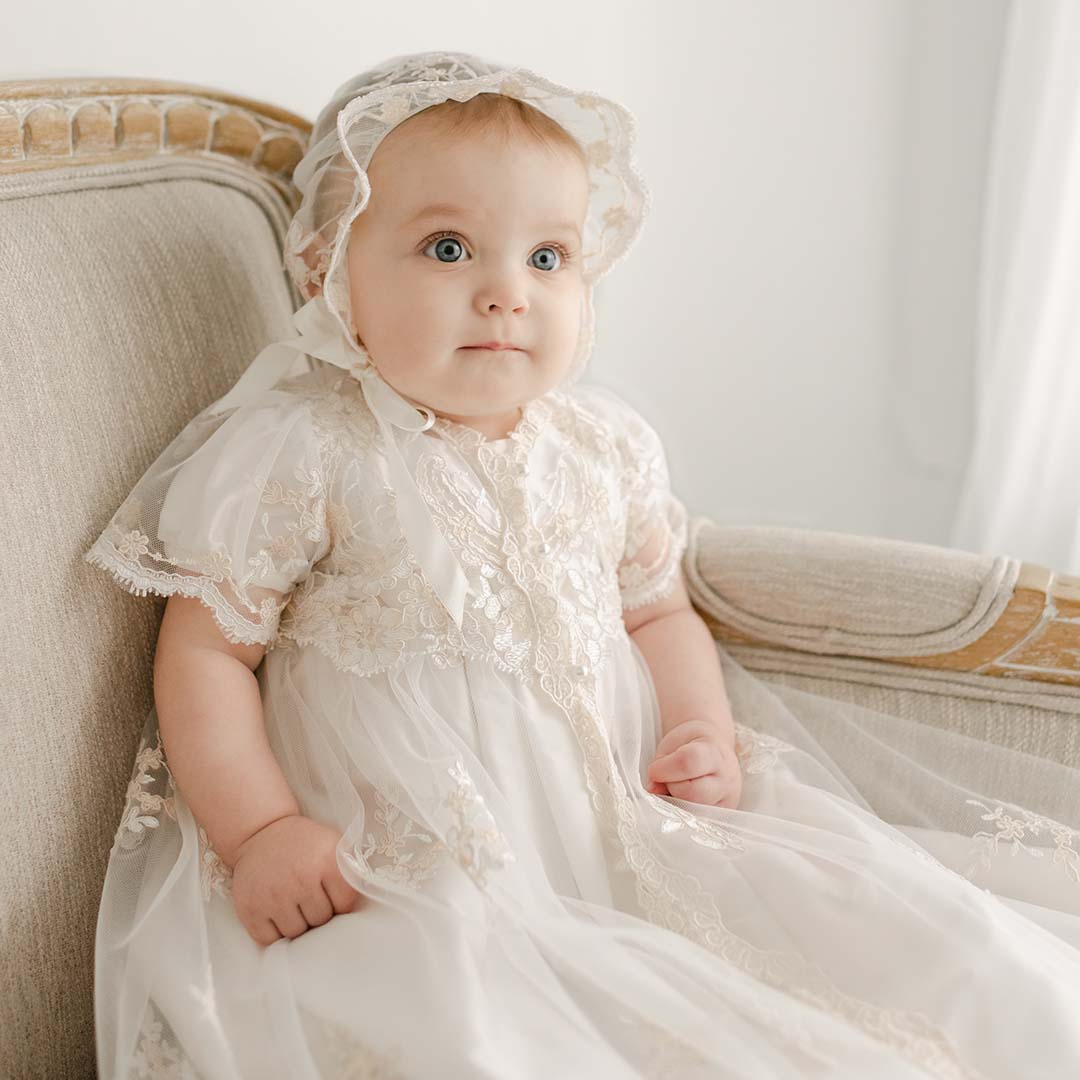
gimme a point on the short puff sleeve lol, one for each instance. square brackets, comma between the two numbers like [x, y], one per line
[655, 518]
[233, 512]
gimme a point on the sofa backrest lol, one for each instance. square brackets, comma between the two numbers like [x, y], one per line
[141, 232]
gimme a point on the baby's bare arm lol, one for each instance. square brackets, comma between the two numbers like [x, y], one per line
[211, 720]
[682, 660]
[285, 873]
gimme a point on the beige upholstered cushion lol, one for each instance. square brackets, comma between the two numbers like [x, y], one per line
[836, 614]
[120, 282]
[857, 595]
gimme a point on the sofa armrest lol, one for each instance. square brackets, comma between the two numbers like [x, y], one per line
[905, 603]
[985, 645]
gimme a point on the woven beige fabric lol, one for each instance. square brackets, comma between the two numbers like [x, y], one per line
[845, 594]
[112, 276]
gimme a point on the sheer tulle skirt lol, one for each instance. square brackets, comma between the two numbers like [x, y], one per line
[530, 910]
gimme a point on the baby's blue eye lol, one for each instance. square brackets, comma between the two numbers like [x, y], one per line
[445, 246]
[547, 259]
[448, 249]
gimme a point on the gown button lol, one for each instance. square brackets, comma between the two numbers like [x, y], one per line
[579, 671]
[545, 548]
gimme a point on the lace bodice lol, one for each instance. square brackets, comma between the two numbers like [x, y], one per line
[285, 524]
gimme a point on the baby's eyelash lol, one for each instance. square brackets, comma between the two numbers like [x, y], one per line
[566, 254]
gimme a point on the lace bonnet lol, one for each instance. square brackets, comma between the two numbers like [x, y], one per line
[334, 187]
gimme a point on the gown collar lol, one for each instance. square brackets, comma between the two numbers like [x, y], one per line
[534, 413]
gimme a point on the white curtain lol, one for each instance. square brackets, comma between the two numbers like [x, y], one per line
[1021, 494]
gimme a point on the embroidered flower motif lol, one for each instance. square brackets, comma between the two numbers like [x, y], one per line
[374, 634]
[308, 505]
[478, 848]
[269, 611]
[396, 844]
[495, 603]
[142, 807]
[1015, 830]
[757, 750]
[216, 565]
[156, 1056]
[473, 840]
[215, 874]
[131, 544]
[703, 831]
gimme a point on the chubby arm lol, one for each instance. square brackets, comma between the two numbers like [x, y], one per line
[286, 877]
[211, 720]
[682, 660]
[695, 758]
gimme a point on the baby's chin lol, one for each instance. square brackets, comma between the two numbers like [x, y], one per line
[474, 382]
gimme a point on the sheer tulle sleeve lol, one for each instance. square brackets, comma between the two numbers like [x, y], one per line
[655, 518]
[233, 512]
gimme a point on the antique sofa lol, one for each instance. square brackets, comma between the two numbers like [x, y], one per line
[141, 226]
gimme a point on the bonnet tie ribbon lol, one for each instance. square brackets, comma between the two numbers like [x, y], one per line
[321, 336]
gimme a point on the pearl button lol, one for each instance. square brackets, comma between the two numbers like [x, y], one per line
[545, 548]
[579, 670]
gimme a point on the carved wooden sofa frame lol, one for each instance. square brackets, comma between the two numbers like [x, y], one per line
[905, 628]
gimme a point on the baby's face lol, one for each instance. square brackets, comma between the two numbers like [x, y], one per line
[499, 272]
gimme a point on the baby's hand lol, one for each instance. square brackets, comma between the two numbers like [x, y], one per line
[694, 761]
[286, 879]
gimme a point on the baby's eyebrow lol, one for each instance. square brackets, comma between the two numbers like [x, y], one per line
[437, 210]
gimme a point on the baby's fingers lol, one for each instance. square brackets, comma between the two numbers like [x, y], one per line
[316, 906]
[288, 919]
[262, 931]
[708, 790]
[342, 895]
[692, 759]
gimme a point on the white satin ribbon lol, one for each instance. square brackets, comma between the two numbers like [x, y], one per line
[321, 335]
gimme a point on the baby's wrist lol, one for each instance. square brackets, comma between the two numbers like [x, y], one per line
[242, 846]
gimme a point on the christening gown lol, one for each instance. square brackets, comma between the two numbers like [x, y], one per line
[529, 910]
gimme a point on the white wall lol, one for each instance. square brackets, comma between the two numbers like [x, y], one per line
[803, 295]
[954, 57]
[797, 317]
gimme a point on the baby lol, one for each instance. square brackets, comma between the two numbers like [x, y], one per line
[466, 290]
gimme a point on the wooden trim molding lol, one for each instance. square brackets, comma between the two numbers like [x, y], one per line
[1037, 636]
[53, 123]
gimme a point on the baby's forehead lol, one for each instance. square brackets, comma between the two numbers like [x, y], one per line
[461, 178]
